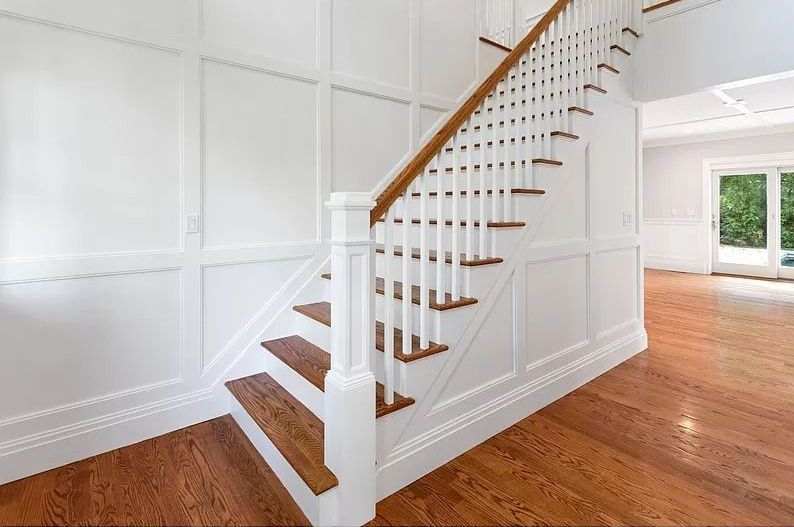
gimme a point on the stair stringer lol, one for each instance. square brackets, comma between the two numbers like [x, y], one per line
[441, 426]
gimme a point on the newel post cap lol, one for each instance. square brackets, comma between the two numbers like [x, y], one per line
[350, 201]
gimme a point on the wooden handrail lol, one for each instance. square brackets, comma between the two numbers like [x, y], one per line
[400, 184]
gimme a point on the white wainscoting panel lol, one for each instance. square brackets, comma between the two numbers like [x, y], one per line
[370, 40]
[89, 144]
[677, 244]
[449, 58]
[142, 20]
[77, 339]
[363, 158]
[429, 117]
[492, 354]
[233, 295]
[614, 300]
[285, 31]
[260, 157]
[557, 317]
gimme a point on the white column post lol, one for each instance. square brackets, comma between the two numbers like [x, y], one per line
[350, 384]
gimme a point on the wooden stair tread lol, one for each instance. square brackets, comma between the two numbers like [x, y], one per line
[448, 223]
[321, 312]
[523, 87]
[489, 192]
[522, 139]
[313, 362]
[296, 432]
[609, 67]
[631, 32]
[380, 288]
[433, 257]
[618, 47]
[535, 161]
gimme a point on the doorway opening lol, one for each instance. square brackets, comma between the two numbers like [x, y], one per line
[753, 221]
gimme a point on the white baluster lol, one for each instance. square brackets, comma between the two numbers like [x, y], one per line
[495, 153]
[440, 224]
[565, 54]
[469, 193]
[509, 117]
[455, 219]
[388, 311]
[407, 279]
[483, 189]
[547, 106]
[424, 262]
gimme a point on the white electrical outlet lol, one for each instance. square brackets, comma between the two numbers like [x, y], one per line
[192, 224]
[628, 219]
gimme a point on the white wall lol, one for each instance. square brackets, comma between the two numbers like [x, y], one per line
[698, 44]
[673, 179]
[118, 118]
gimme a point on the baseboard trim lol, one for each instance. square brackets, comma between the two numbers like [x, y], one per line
[61, 446]
[454, 438]
[681, 265]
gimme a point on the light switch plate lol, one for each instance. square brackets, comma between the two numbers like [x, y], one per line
[674, 212]
[192, 224]
[628, 219]
[690, 212]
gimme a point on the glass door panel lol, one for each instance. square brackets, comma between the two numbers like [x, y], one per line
[742, 224]
[787, 223]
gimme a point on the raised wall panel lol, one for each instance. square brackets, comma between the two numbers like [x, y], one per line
[233, 295]
[614, 289]
[143, 20]
[568, 222]
[280, 30]
[556, 312]
[260, 182]
[448, 47]
[491, 356]
[429, 117]
[370, 39]
[71, 340]
[370, 136]
[614, 161]
[89, 144]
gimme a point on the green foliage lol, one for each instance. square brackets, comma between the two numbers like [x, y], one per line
[787, 210]
[743, 211]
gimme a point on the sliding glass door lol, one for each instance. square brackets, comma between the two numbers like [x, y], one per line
[742, 223]
[786, 216]
[753, 222]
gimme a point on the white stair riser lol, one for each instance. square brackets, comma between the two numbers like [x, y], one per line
[476, 281]
[519, 203]
[316, 508]
[309, 395]
[444, 326]
[499, 241]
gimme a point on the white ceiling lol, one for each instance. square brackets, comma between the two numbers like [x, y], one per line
[754, 107]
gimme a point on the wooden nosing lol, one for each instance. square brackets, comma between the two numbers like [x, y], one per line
[292, 428]
[495, 44]
[608, 67]
[618, 47]
[432, 256]
[599, 89]
[559, 133]
[489, 192]
[542, 161]
[631, 32]
[580, 110]
[448, 223]
[321, 312]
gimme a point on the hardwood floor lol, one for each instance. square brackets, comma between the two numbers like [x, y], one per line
[208, 474]
[697, 430]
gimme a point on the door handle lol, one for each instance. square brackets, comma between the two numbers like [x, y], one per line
[714, 223]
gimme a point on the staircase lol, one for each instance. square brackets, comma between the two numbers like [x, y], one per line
[408, 272]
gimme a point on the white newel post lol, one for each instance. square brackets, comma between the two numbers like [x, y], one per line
[350, 384]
